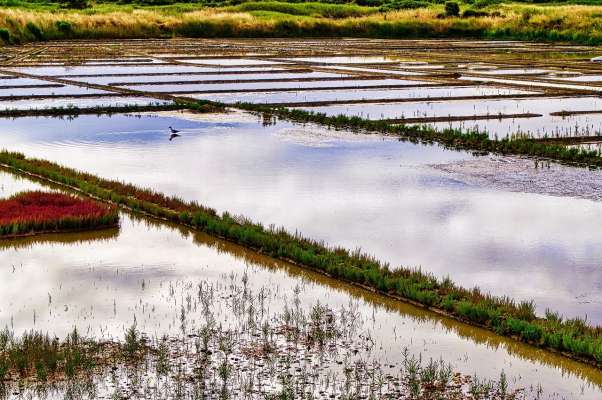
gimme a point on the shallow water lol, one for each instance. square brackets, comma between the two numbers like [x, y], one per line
[374, 70]
[230, 61]
[530, 83]
[584, 78]
[65, 90]
[353, 83]
[124, 69]
[577, 125]
[550, 126]
[516, 71]
[346, 59]
[365, 94]
[111, 80]
[102, 281]
[13, 81]
[76, 102]
[382, 195]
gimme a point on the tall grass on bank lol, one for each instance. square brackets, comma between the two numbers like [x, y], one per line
[499, 314]
[39, 212]
[572, 23]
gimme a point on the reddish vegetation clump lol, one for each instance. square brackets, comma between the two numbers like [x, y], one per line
[36, 212]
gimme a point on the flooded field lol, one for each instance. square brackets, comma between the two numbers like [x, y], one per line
[526, 117]
[517, 227]
[394, 192]
[494, 82]
[148, 272]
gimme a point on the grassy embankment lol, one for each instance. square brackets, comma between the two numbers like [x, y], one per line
[24, 22]
[30, 213]
[500, 314]
[73, 111]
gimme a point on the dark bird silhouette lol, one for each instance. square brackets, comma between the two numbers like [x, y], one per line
[174, 133]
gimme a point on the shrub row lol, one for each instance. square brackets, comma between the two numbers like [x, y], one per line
[500, 314]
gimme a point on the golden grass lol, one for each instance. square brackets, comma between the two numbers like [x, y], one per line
[571, 23]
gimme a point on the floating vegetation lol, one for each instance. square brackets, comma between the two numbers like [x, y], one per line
[31, 213]
[574, 337]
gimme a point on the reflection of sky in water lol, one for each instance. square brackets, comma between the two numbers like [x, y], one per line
[365, 94]
[120, 69]
[230, 61]
[49, 91]
[346, 59]
[206, 77]
[108, 101]
[537, 126]
[357, 191]
[273, 85]
[101, 283]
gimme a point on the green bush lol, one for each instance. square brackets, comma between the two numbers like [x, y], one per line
[403, 5]
[77, 4]
[484, 3]
[4, 35]
[64, 26]
[35, 30]
[452, 9]
[470, 13]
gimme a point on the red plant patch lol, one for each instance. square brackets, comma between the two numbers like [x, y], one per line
[34, 212]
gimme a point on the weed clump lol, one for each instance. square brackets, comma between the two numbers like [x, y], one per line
[4, 35]
[452, 9]
[64, 27]
[37, 33]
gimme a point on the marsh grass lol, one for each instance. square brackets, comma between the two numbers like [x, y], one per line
[256, 350]
[39, 355]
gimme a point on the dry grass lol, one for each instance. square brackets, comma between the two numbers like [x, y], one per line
[580, 24]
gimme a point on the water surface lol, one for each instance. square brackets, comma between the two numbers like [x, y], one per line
[546, 124]
[66, 102]
[258, 86]
[387, 197]
[355, 94]
[102, 281]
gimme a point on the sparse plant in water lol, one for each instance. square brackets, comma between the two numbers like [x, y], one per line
[132, 340]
